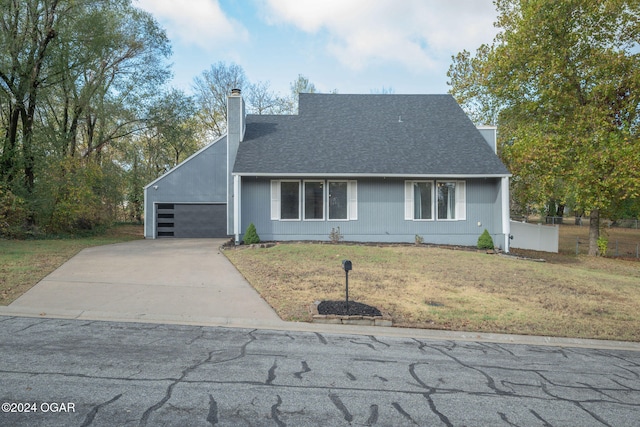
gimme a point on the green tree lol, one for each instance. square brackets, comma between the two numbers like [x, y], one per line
[172, 122]
[27, 29]
[75, 79]
[562, 82]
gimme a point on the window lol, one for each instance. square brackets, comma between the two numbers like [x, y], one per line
[289, 200]
[314, 200]
[338, 200]
[421, 197]
[449, 203]
[451, 200]
[340, 197]
[446, 200]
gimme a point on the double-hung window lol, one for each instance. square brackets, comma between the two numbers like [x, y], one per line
[451, 200]
[445, 200]
[338, 201]
[285, 200]
[314, 200]
[419, 200]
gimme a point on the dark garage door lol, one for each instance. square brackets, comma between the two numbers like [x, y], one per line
[191, 220]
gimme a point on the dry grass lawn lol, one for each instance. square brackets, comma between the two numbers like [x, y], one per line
[440, 288]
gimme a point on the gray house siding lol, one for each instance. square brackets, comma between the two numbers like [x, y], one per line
[380, 216]
[201, 179]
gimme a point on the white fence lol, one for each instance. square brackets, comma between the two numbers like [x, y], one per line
[536, 237]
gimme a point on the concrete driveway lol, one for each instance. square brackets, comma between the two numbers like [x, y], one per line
[164, 280]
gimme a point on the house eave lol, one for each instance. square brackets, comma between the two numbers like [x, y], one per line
[370, 175]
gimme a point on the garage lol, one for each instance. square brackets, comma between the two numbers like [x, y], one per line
[186, 220]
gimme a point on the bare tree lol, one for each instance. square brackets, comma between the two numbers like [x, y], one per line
[262, 100]
[211, 89]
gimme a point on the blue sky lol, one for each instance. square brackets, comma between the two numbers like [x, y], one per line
[352, 46]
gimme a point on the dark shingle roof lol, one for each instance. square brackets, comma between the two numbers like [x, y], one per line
[367, 134]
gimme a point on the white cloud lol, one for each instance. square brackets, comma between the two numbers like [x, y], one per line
[197, 22]
[416, 33]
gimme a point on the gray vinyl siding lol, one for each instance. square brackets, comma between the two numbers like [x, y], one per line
[380, 215]
[200, 179]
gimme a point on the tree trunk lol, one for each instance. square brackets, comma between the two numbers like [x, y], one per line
[8, 161]
[594, 232]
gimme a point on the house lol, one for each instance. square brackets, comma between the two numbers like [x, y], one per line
[383, 168]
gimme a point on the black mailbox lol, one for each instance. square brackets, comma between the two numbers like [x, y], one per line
[346, 264]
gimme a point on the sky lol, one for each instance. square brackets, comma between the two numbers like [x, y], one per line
[350, 46]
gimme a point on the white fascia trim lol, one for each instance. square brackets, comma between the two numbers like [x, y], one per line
[184, 161]
[236, 207]
[372, 175]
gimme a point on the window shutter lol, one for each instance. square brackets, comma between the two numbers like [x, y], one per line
[353, 199]
[275, 199]
[408, 200]
[461, 202]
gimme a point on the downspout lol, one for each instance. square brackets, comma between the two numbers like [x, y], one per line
[506, 217]
[236, 208]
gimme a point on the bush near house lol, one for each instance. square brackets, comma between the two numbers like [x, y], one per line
[485, 241]
[251, 236]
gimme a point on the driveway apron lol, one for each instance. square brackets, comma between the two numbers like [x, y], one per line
[172, 280]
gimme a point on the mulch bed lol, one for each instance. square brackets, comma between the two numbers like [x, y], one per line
[339, 308]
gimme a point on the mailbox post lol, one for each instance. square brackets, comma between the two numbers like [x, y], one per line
[346, 265]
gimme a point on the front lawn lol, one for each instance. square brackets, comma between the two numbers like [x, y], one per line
[439, 288]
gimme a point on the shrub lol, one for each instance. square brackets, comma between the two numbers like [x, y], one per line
[335, 235]
[14, 214]
[251, 236]
[485, 241]
[419, 239]
[602, 245]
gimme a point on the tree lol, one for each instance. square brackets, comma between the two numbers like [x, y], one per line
[298, 86]
[211, 90]
[27, 30]
[384, 91]
[262, 100]
[562, 82]
[171, 121]
[75, 77]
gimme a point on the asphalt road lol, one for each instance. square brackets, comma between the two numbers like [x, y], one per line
[90, 373]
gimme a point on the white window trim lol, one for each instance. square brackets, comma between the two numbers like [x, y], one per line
[324, 200]
[461, 200]
[329, 181]
[460, 209]
[409, 201]
[352, 199]
[276, 199]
